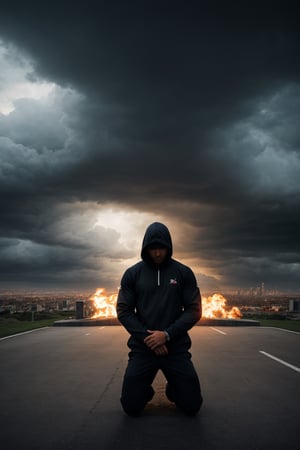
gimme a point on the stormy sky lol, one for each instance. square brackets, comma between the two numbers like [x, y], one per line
[114, 115]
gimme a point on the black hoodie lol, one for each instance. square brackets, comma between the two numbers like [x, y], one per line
[164, 297]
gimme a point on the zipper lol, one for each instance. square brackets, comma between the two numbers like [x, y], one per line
[158, 277]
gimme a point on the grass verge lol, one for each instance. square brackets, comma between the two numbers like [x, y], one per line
[292, 325]
[7, 329]
[14, 325]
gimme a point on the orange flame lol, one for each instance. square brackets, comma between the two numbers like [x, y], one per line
[104, 305]
[213, 307]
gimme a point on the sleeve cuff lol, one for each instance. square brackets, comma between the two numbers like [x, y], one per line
[167, 336]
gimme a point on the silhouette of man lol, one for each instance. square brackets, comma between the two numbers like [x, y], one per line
[158, 302]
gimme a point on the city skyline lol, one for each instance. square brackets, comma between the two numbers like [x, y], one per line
[251, 291]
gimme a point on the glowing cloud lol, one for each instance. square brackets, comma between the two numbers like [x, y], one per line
[17, 79]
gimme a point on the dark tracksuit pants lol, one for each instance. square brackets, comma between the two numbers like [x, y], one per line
[183, 383]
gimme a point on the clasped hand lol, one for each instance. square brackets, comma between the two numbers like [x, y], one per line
[156, 341]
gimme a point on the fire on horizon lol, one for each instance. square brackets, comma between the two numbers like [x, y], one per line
[213, 307]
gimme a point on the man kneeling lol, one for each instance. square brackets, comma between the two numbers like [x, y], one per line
[158, 302]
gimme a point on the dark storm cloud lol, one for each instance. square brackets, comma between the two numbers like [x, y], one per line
[188, 112]
[178, 54]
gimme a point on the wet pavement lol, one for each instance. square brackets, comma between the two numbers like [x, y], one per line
[60, 390]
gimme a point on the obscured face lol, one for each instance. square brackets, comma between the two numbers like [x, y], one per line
[158, 255]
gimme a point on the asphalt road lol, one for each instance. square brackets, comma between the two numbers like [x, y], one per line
[60, 390]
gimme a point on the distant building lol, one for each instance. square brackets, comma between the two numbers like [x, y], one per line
[294, 305]
[65, 305]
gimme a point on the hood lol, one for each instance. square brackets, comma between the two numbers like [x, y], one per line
[156, 233]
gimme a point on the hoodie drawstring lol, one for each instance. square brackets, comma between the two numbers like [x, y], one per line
[158, 277]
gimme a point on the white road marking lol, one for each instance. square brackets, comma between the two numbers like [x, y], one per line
[87, 334]
[297, 369]
[20, 334]
[219, 331]
[282, 329]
